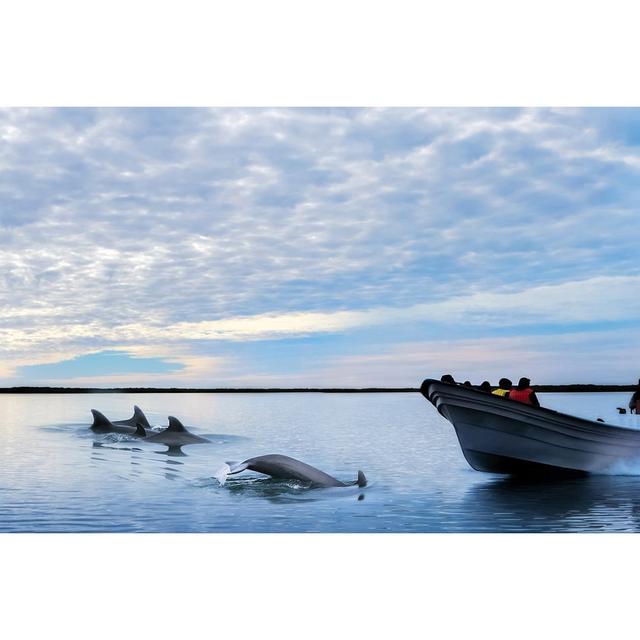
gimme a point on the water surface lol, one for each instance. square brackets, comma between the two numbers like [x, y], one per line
[57, 476]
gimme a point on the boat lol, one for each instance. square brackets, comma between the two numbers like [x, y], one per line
[499, 435]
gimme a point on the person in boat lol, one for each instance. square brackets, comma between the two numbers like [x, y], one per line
[524, 393]
[467, 383]
[634, 403]
[447, 377]
[485, 386]
[504, 387]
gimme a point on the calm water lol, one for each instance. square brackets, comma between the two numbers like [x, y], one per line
[56, 475]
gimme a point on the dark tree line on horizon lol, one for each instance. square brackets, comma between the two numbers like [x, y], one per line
[576, 388]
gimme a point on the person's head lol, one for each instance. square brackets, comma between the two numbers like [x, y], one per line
[505, 383]
[467, 383]
[486, 386]
[447, 377]
[524, 383]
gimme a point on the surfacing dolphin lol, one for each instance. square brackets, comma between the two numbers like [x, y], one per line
[102, 424]
[138, 417]
[175, 435]
[279, 466]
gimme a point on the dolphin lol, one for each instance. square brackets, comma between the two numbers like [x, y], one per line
[175, 435]
[102, 424]
[138, 417]
[279, 466]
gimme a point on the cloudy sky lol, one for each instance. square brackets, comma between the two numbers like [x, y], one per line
[318, 247]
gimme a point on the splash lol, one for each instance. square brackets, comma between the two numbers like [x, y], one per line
[626, 467]
[221, 474]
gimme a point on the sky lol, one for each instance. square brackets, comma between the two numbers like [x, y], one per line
[354, 247]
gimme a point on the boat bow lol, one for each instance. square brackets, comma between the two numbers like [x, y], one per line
[503, 436]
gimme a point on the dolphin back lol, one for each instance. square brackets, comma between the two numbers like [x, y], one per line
[100, 422]
[140, 431]
[176, 435]
[280, 466]
[175, 426]
[138, 417]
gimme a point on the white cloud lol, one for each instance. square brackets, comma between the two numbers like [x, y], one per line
[130, 226]
[600, 299]
[583, 357]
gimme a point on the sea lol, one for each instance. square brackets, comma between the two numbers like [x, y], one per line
[58, 476]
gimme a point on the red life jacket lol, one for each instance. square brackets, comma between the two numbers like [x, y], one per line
[521, 395]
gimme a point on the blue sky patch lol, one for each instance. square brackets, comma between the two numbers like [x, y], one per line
[104, 363]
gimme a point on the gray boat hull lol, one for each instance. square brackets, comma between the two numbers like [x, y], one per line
[502, 436]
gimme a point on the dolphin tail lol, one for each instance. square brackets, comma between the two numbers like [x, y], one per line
[140, 431]
[362, 480]
[227, 469]
[100, 421]
[237, 467]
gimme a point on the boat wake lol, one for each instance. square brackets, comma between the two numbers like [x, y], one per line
[628, 467]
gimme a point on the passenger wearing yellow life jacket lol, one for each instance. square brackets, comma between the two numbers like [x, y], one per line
[504, 387]
[524, 393]
[634, 403]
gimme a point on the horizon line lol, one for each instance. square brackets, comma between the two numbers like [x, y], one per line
[576, 387]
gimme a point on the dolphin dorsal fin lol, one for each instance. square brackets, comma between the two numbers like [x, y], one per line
[100, 421]
[175, 425]
[139, 417]
[362, 480]
[140, 432]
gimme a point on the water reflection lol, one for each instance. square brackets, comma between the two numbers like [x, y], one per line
[174, 451]
[592, 503]
[102, 445]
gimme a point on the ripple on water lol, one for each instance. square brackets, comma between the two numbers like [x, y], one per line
[57, 475]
